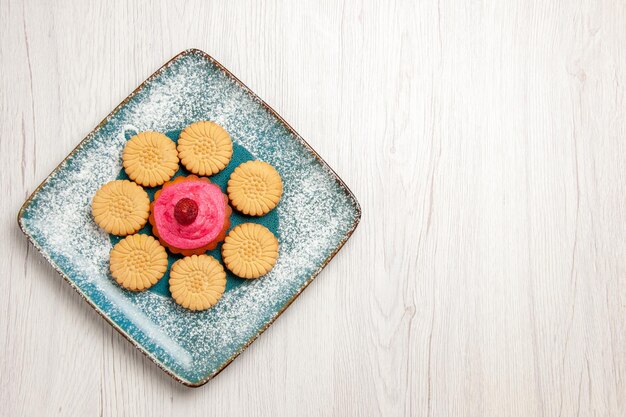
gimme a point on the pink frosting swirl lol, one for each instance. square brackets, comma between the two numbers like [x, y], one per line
[208, 223]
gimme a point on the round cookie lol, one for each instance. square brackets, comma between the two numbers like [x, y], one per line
[121, 207]
[254, 188]
[205, 148]
[150, 158]
[197, 282]
[137, 262]
[250, 250]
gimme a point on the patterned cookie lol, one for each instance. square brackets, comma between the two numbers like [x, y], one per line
[254, 188]
[150, 158]
[137, 262]
[121, 207]
[250, 250]
[205, 148]
[197, 282]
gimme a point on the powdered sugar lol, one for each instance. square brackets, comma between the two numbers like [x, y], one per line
[316, 215]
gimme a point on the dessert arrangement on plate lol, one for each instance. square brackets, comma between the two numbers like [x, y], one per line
[189, 215]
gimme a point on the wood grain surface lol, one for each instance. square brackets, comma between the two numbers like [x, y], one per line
[485, 141]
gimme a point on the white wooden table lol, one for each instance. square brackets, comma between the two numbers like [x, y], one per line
[486, 142]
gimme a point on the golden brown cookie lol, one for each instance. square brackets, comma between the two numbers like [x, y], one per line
[250, 250]
[137, 262]
[150, 158]
[205, 148]
[197, 282]
[121, 207]
[254, 188]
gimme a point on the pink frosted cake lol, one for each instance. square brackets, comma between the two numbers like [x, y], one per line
[190, 215]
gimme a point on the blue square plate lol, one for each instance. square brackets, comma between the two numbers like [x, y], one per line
[315, 217]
